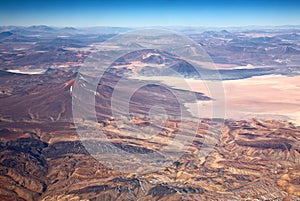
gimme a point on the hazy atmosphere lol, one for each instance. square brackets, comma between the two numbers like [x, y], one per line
[149, 13]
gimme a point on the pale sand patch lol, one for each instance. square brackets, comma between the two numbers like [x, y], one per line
[233, 66]
[267, 97]
[261, 97]
[29, 71]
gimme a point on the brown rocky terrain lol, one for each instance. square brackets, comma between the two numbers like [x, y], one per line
[43, 158]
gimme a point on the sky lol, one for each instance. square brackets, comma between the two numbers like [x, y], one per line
[139, 13]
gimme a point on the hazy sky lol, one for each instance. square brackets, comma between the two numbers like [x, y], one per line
[150, 13]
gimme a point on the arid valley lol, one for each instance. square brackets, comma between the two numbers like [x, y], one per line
[67, 134]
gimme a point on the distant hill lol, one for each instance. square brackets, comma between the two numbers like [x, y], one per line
[5, 34]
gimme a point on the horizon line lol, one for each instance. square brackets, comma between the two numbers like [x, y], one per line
[175, 26]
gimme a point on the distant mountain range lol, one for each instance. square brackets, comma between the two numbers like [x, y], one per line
[259, 47]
